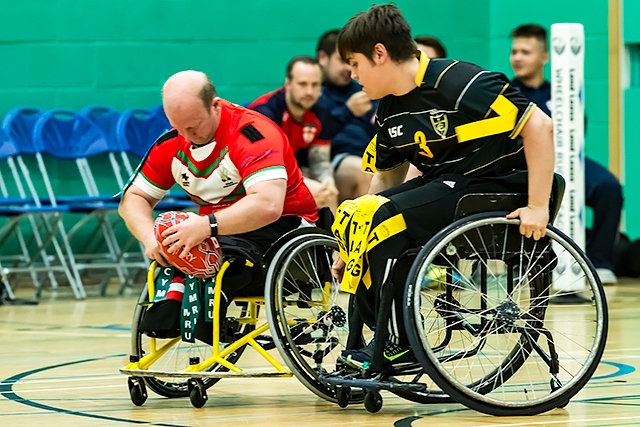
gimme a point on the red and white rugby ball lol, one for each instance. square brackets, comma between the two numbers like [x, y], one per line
[203, 260]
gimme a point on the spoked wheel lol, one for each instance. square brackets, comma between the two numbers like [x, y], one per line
[481, 319]
[307, 312]
[308, 318]
[177, 357]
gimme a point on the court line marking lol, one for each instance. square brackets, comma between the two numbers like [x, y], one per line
[6, 390]
[587, 421]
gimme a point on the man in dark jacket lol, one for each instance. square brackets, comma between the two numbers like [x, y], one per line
[351, 108]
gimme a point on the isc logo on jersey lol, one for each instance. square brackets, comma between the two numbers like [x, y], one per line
[395, 131]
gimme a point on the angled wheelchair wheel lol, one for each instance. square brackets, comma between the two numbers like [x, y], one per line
[504, 324]
[177, 356]
[307, 312]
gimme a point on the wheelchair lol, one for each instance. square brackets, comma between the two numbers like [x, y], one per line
[306, 315]
[498, 322]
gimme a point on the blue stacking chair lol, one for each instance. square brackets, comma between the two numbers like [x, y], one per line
[17, 129]
[18, 124]
[159, 114]
[106, 119]
[72, 139]
[12, 208]
[137, 130]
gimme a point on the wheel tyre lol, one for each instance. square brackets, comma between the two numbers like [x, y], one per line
[373, 401]
[197, 393]
[557, 385]
[137, 391]
[343, 395]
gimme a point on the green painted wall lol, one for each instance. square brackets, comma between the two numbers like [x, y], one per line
[631, 38]
[74, 53]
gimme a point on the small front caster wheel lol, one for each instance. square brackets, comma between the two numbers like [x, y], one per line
[137, 390]
[343, 395]
[197, 392]
[373, 401]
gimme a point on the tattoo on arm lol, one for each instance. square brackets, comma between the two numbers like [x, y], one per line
[319, 162]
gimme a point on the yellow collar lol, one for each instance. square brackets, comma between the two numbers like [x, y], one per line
[424, 62]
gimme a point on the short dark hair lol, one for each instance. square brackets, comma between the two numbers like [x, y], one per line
[306, 59]
[328, 42]
[207, 93]
[531, 30]
[433, 43]
[382, 23]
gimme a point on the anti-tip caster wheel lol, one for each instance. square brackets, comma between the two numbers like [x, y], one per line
[343, 395]
[373, 401]
[197, 392]
[137, 390]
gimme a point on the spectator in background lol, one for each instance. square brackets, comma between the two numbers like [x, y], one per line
[433, 48]
[293, 107]
[603, 192]
[352, 112]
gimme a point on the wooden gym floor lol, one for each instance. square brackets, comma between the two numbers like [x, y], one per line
[59, 364]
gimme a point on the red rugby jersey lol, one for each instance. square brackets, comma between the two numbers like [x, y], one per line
[301, 135]
[247, 149]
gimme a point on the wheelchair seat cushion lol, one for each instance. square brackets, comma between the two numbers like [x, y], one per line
[237, 247]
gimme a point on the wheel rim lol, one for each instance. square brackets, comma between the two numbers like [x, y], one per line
[506, 371]
[320, 293]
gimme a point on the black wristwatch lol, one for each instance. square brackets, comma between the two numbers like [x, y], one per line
[213, 223]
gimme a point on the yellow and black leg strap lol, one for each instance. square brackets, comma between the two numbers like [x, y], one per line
[356, 235]
[369, 157]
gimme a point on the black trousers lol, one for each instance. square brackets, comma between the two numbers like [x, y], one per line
[603, 193]
[427, 207]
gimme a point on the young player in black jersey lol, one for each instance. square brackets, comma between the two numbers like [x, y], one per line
[462, 126]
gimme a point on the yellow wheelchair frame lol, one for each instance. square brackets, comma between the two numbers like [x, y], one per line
[141, 367]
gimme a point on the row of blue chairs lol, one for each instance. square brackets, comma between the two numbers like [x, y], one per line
[91, 131]
[35, 206]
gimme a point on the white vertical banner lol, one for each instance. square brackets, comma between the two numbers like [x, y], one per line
[567, 109]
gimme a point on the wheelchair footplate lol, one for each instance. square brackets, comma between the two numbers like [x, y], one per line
[346, 379]
[187, 374]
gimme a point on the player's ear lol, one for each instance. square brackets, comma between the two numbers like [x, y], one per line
[215, 104]
[322, 57]
[380, 53]
[545, 58]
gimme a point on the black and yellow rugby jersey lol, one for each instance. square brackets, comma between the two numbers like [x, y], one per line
[460, 119]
